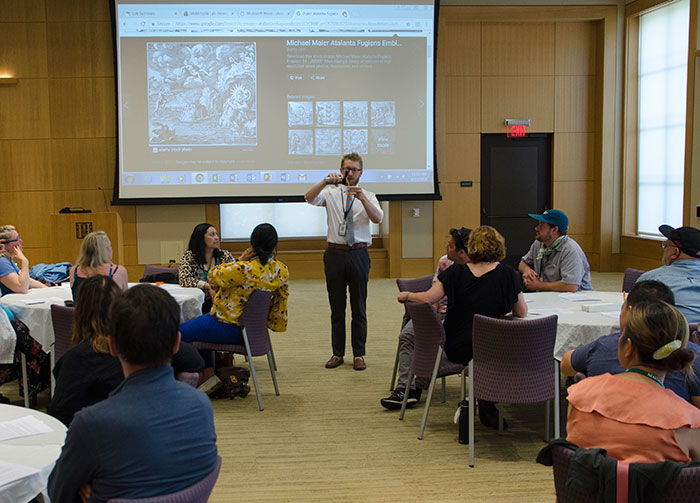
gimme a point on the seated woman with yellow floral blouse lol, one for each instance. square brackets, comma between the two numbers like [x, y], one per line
[233, 282]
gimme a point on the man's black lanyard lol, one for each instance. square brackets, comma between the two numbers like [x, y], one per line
[346, 212]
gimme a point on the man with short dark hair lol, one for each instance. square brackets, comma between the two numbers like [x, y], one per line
[555, 262]
[600, 356]
[681, 269]
[350, 210]
[154, 435]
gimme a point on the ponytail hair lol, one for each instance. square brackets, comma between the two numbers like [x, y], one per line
[653, 325]
[263, 239]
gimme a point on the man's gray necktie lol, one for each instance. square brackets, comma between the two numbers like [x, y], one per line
[348, 220]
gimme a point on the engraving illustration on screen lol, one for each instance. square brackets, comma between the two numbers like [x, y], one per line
[202, 93]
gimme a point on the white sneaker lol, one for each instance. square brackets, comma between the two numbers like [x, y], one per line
[210, 385]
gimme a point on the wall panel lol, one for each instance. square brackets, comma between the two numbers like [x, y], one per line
[82, 108]
[462, 107]
[515, 98]
[510, 49]
[574, 104]
[459, 207]
[462, 158]
[29, 212]
[26, 11]
[23, 50]
[576, 200]
[77, 10]
[25, 164]
[24, 110]
[84, 163]
[576, 48]
[574, 156]
[80, 49]
[459, 51]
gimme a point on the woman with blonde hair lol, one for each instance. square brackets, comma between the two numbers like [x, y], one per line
[95, 258]
[632, 415]
[482, 286]
[14, 279]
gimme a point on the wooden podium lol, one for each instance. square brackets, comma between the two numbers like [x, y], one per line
[69, 229]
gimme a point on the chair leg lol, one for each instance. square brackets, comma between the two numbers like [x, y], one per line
[273, 369]
[25, 379]
[547, 435]
[396, 370]
[444, 390]
[433, 378]
[252, 370]
[405, 395]
[557, 395]
[272, 353]
[52, 357]
[471, 413]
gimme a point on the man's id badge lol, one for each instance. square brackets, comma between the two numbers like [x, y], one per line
[342, 228]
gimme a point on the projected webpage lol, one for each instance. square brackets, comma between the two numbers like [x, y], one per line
[263, 100]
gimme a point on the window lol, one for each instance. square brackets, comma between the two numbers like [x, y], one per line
[292, 220]
[662, 77]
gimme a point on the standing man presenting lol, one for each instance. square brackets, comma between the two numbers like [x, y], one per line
[346, 260]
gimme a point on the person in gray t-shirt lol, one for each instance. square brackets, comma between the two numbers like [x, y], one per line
[555, 262]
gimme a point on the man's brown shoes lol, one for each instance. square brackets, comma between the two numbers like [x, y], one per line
[335, 361]
[359, 363]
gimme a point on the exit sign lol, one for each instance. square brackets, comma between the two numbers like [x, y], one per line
[518, 131]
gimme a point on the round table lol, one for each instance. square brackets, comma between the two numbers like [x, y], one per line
[576, 327]
[34, 307]
[37, 451]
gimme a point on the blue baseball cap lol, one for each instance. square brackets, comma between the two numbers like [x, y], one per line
[553, 217]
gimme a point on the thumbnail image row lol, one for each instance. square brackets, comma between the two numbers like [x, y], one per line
[354, 113]
[337, 141]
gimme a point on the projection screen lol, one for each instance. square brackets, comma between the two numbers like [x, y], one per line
[236, 102]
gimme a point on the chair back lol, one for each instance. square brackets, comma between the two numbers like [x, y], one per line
[630, 278]
[153, 273]
[683, 489]
[415, 285]
[430, 334]
[561, 460]
[62, 320]
[254, 321]
[196, 493]
[513, 359]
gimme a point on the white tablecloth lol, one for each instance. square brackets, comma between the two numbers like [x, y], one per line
[37, 451]
[34, 308]
[576, 327]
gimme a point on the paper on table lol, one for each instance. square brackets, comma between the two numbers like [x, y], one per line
[577, 297]
[610, 314]
[548, 311]
[169, 286]
[45, 300]
[22, 427]
[9, 472]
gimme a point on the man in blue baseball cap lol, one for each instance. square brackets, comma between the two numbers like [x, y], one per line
[555, 262]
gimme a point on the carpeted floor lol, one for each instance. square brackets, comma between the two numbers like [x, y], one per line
[326, 437]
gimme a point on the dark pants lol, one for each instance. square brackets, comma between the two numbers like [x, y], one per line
[347, 270]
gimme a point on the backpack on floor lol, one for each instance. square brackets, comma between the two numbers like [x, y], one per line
[235, 382]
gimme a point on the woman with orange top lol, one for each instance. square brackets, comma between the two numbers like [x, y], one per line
[632, 415]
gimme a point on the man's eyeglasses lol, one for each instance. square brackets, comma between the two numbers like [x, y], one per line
[354, 170]
[666, 244]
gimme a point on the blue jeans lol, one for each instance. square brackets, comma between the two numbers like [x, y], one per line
[207, 328]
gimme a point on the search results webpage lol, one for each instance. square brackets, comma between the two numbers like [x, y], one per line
[261, 100]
